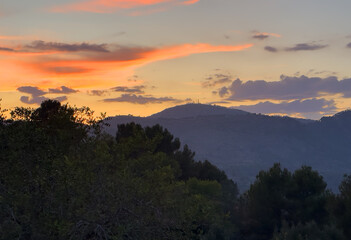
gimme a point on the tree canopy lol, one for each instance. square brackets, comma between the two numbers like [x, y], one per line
[63, 177]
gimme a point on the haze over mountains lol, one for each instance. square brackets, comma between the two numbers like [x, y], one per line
[243, 143]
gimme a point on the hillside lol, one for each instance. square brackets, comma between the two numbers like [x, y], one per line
[242, 143]
[195, 110]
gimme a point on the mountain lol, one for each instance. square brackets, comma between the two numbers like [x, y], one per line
[244, 143]
[192, 110]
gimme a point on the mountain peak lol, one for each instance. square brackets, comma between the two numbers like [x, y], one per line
[192, 110]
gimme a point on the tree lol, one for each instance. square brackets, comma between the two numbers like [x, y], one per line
[278, 196]
[309, 197]
[265, 204]
[2, 115]
[340, 206]
[308, 231]
[60, 180]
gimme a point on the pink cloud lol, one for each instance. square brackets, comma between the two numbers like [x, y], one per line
[97, 66]
[108, 6]
[189, 2]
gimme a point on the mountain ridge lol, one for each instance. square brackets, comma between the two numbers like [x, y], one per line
[242, 143]
[196, 109]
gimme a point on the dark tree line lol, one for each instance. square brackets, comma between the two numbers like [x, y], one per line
[62, 177]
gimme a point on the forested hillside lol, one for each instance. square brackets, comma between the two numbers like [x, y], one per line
[243, 143]
[62, 177]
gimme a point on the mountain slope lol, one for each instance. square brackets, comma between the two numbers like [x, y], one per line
[192, 110]
[242, 144]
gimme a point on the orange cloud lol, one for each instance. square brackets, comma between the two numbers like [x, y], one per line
[147, 12]
[107, 6]
[126, 57]
[31, 54]
[189, 49]
[2, 37]
[272, 34]
[189, 2]
[83, 69]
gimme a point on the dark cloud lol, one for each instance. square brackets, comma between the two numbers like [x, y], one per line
[39, 99]
[135, 89]
[123, 53]
[33, 100]
[92, 52]
[37, 95]
[97, 92]
[132, 98]
[68, 70]
[217, 79]
[115, 52]
[65, 47]
[306, 47]
[62, 89]
[297, 106]
[223, 91]
[5, 49]
[217, 102]
[348, 45]
[260, 36]
[34, 91]
[118, 34]
[288, 88]
[270, 49]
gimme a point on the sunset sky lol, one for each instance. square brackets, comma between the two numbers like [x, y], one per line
[141, 56]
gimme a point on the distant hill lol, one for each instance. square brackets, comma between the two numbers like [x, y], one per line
[192, 110]
[244, 143]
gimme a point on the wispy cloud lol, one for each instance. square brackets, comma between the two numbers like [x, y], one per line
[113, 52]
[39, 99]
[137, 99]
[62, 89]
[297, 106]
[97, 92]
[223, 91]
[6, 49]
[8, 37]
[310, 108]
[40, 47]
[108, 6]
[264, 35]
[119, 57]
[216, 79]
[66, 70]
[299, 47]
[135, 89]
[270, 49]
[306, 47]
[189, 2]
[65, 47]
[92, 64]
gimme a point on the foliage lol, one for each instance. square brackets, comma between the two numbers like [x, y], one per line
[62, 177]
[278, 196]
[340, 206]
[60, 180]
[308, 231]
[2, 115]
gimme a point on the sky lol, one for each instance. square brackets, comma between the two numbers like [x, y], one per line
[138, 57]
